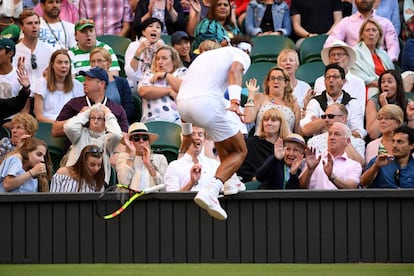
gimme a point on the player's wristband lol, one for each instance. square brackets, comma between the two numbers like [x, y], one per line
[234, 92]
[186, 129]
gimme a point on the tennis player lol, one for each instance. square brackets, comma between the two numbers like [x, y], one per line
[201, 101]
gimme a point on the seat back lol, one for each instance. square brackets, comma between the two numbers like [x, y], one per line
[55, 145]
[268, 47]
[309, 72]
[311, 47]
[119, 44]
[258, 70]
[138, 108]
[169, 140]
[166, 38]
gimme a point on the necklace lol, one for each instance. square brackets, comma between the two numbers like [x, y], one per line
[56, 38]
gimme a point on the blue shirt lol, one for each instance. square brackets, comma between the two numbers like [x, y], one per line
[13, 166]
[387, 175]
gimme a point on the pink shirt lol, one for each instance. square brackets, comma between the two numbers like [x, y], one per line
[68, 11]
[347, 30]
[343, 168]
[109, 15]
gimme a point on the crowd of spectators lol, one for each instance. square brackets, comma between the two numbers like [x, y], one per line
[353, 128]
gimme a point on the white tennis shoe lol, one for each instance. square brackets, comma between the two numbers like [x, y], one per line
[233, 186]
[207, 199]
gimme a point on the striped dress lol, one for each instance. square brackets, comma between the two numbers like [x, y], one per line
[66, 184]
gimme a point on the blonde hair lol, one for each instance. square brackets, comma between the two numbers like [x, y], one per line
[104, 52]
[177, 63]
[28, 121]
[275, 115]
[207, 45]
[285, 52]
[380, 30]
[392, 111]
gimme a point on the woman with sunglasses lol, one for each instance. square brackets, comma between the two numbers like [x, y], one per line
[137, 166]
[27, 169]
[96, 125]
[56, 89]
[85, 176]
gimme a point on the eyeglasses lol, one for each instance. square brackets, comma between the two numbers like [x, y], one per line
[33, 61]
[85, 21]
[93, 118]
[397, 177]
[335, 77]
[95, 150]
[136, 138]
[279, 79]
[97, 61]
[330, 116]
[379, 118]
[340, 55]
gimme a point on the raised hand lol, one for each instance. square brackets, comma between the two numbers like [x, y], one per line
[279, 150]
[296, 164]
[252, 86]
[311, 160]
[383, 159]
[328, 165]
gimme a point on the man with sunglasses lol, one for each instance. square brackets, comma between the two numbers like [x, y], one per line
[137, 166]
[394, 170]
[333, 169]
[313, 124]
[337, 112]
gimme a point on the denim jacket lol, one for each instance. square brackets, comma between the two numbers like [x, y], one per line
[281, 18]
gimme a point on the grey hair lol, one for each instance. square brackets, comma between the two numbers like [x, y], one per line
[346, 130]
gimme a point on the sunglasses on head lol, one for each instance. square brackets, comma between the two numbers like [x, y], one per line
[136, 138]
[330, 116]
[95, 150]
[33, 61]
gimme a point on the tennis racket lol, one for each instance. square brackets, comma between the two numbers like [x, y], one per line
[133, 195]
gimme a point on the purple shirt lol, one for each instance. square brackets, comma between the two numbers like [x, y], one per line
[74, 106]
[343, 168]
[347, 30]
[108, 15]
[68, 11]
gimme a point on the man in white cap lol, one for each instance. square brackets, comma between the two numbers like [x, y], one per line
[201, 101]
[339, 52]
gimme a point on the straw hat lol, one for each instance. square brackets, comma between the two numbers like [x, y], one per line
[296, 138]
[141, 128]
[338, 44]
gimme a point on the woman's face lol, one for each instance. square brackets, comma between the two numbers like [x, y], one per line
[276, 82]
[61, 65]
[97, 59]
[222, 10]
[97, 121]
[389, 86]
[152, 32]
[37, 156]
[387, 124]
[370, 34]
[17, 131]
[94, 164]
[163, 61]
[288, 62]
[271, 126]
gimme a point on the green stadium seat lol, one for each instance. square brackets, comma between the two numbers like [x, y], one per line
[169, 140]
[55, 145]
[309, 72]
[310, 49]
[166, 38]
[268, 47]
[119, 44]
[258, 70]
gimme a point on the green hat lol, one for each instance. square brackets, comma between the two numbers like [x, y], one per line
[11, 32]
[83, 23]
[6, 43]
